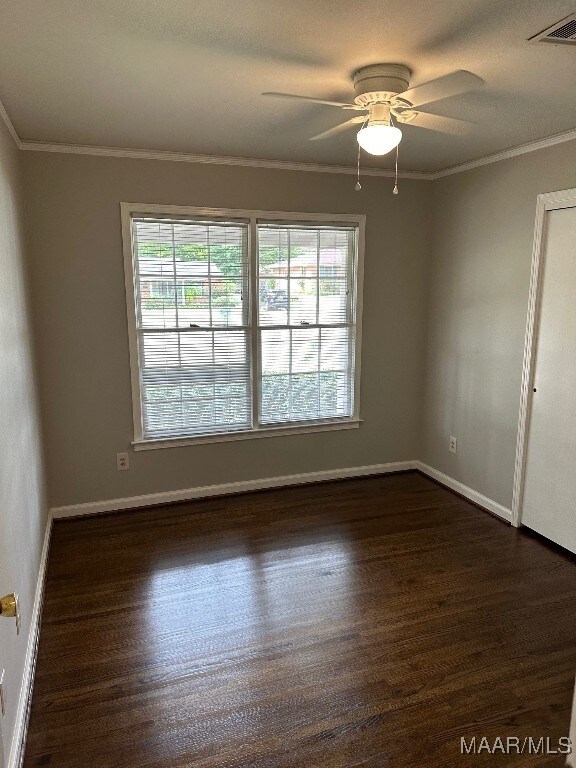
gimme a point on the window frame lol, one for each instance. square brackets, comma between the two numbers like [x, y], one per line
[130, 210]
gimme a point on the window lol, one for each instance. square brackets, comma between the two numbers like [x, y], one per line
[242, 324]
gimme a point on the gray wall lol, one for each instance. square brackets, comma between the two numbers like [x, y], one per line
[483, 223]
[22, 508]
[446, 290]
[76, 272]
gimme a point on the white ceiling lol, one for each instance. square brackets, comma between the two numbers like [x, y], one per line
[187, 75]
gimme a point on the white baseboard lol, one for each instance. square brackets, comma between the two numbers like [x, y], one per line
[469, 493]
[167, 497]
[226, 489]
[245, 486]
[16, 754]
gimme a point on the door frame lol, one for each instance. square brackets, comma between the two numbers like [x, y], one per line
[550, 201]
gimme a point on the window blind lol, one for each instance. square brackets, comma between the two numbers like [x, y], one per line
[190, 280]
[306, 322]
[240, 324]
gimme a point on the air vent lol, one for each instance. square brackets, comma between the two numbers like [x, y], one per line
[561, 33]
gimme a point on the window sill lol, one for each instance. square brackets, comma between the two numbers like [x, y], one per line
[303, 429]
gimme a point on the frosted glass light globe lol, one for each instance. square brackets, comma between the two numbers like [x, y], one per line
[379, 139]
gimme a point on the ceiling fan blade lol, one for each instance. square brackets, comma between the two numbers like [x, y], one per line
[441, 123]
[339, 128]
[310, 98]
[457, 82]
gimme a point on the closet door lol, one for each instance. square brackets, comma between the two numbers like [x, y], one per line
[549, 502]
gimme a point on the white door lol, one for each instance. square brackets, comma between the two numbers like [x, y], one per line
[549, 501]
[572, 758]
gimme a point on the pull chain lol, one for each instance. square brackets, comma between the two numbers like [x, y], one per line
[358, 186]
[395, 190]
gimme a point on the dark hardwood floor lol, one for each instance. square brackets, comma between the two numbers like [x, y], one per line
[355, 624]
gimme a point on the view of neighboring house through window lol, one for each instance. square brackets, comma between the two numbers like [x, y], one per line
[305, 322]
[241, 325]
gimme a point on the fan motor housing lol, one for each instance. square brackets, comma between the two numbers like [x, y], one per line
[380, 83]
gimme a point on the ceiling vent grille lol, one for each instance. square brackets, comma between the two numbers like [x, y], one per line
[561, 33]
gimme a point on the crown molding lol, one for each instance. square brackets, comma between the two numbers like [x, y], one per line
[184, 157]
[521, 149]
[6, 117]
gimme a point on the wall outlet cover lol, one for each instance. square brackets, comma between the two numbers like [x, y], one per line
[122, 462]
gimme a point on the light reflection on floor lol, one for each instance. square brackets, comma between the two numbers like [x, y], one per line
[231, 642]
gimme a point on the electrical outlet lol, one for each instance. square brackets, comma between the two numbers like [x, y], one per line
[122, 461]
[453, 445]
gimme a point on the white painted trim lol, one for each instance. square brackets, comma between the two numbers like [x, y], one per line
[251, 434]
[358, 312]
[529, 344]
[6, 117]
[130, 290]
[521, 149]
[251, 218]
[464, 490]
[142, 209]
[226, 489]
[253, 162]
[549, 201]
[187, 157]
[554, 201]
[16, 754]
[571, 759]
[184, 157]
[246, 486]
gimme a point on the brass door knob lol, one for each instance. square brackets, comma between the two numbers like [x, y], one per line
[10, 609]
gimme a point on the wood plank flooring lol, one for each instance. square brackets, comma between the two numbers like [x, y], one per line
[355, 624]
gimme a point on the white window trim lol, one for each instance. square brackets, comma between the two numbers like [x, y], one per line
[128, 211]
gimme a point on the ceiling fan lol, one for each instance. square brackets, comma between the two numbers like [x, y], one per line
[383, 96]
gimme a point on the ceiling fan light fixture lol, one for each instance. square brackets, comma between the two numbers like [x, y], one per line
[379, 138]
